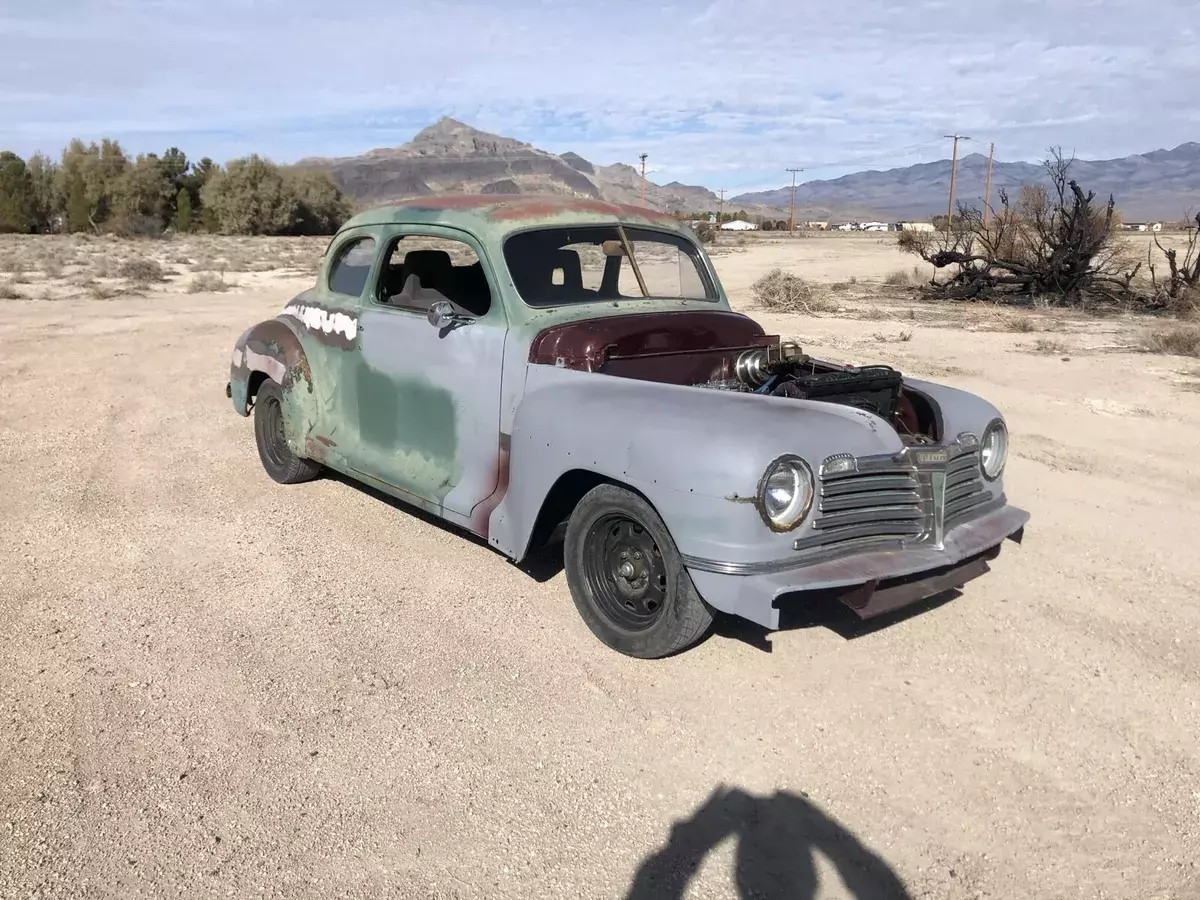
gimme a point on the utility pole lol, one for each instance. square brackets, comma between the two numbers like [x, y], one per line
[721, 208]
[642, 157]
[792, 213]
[987, 190]
[953, 166]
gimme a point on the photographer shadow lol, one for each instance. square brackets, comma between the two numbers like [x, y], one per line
[777, 837]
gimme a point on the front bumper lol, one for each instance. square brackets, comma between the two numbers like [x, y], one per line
[870, 582]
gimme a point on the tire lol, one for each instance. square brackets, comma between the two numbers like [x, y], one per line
[277, 458]
[642, 604]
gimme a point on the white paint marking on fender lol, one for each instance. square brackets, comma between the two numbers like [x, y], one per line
[317, 319]
[270, 365]
[237, 357]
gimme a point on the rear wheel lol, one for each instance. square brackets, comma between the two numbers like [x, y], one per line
[626, 576]
[277, 458]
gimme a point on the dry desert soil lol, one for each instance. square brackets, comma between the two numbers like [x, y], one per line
[215, 686]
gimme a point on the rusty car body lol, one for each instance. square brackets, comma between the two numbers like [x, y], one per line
[585, 378]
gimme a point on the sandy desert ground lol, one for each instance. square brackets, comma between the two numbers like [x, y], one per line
[211, 685]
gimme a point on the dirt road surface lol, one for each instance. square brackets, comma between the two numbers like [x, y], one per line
[212, 685]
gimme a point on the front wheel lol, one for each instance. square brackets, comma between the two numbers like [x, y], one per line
[627, 579]
[277, 458]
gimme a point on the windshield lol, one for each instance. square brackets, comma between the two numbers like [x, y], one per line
[556, 266]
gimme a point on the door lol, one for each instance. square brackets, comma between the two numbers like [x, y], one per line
[427, 400]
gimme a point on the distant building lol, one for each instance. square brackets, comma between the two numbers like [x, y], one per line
[1143, 226]
[873, 226]
[739, 225]
[915, 226]
[817, 226]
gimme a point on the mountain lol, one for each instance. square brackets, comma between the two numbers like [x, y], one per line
[451, 157]
[1162, 184]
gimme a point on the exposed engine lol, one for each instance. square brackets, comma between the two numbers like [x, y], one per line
[784, 370]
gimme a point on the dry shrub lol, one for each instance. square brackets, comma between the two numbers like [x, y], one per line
[9, 292]
[52, 267]
[781, 291]
[1182, 339]
[207, 282]
[142, 270]
[903, 277]
[101, 292]
[1020, 324]
[1049, 348]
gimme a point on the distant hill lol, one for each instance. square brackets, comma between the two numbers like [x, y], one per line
[1162, 184]
[450, 157]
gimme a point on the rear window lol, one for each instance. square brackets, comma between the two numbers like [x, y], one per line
[561, 266]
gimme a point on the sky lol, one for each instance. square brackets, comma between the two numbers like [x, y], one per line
[724, 93]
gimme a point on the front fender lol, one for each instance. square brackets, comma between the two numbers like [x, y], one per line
[275, 348]
[696, 454]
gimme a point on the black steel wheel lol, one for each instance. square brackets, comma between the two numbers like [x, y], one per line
[626, 576]
[277, 458]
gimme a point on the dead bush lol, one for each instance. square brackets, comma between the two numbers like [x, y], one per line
[1179, 292]
[1050, 242]
[142, 270]
[9, 292]
[1049, 348]
[1181, 339]
[99, 291]
[781, 291]
[207, 282]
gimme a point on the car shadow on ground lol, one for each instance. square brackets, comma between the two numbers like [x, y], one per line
[777, 839]
[825, 612]
[541, 564]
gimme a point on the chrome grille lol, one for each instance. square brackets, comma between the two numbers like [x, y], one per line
[965, 489]
[879, 505]
[895, 500]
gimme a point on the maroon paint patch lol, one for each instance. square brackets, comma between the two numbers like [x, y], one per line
[588, 344]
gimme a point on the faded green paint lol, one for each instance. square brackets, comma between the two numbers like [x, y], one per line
[407, 432]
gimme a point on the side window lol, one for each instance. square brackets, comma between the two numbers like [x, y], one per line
[350, 270]
[421, 270]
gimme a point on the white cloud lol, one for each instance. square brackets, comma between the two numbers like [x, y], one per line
[727, 94]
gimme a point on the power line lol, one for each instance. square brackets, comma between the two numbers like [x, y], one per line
[792, 209]
[987, 190]
[953, 166]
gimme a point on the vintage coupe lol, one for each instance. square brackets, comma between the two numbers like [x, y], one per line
[541, 368]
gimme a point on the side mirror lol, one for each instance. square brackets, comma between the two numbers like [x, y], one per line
[441, 315]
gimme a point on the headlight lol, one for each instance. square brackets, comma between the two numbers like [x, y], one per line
[785, 493]
[993, 450]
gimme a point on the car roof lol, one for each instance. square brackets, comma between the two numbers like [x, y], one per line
[501, 214]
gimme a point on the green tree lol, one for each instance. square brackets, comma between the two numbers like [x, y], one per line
[47, 202]
[16, 195]
[141, 197]
[250, 197]
[183, 211]
[79, 211]
[320, 206]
